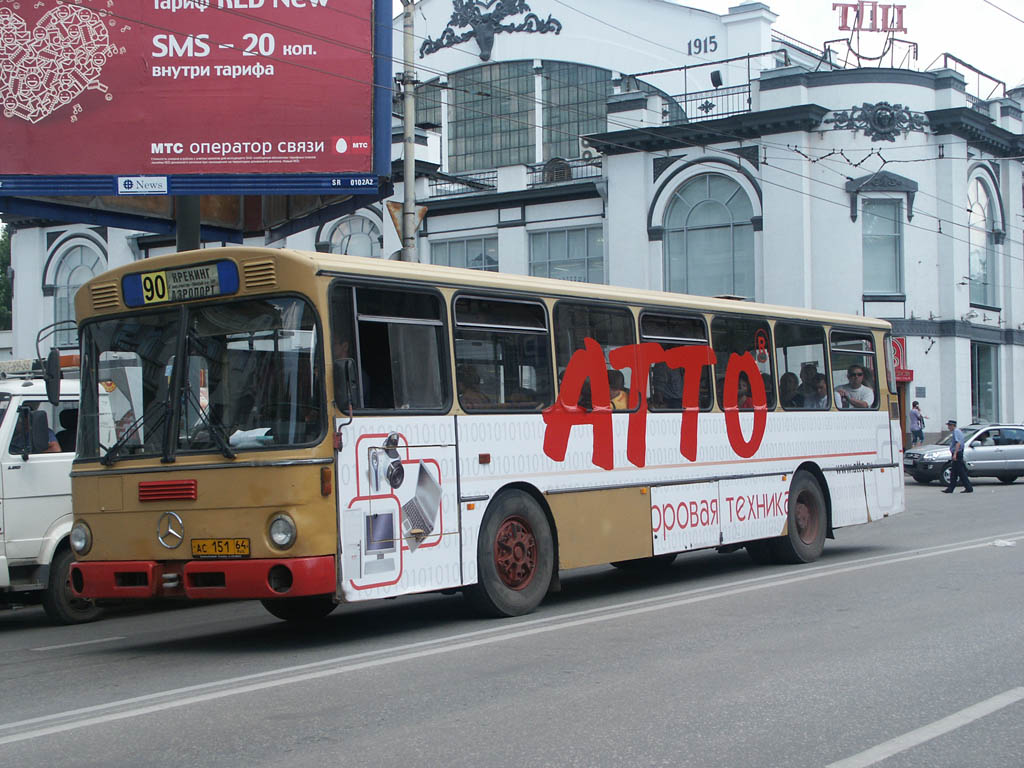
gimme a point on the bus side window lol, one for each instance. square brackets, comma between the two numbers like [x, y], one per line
[854, 380]
[502, 354]
[610, 327]
[665, 390]
[749, 338]
[800, 358]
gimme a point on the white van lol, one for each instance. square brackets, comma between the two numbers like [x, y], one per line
[35, 498]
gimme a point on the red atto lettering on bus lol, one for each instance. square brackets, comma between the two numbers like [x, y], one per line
[757, 506]
[589, 364]
[685, 514]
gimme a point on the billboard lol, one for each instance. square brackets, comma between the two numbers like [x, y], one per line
[143, 97]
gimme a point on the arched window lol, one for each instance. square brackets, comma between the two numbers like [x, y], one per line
[356, 236]
[77, 265]
[982, 244]
[709, 238]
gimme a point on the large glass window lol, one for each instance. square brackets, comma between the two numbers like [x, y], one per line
[982, 245]
[882, 246]
[750, 338]
[854, 372]
[77, 265]
[984, 382]
[472, 253]
[502, 355]
[709, 238]
[491, 116]
[568, 254]
[575, 104]
[356, 236]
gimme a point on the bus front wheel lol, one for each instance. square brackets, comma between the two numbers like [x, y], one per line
[59, 601]
[300, 609]
[515, 557]
[807, 522]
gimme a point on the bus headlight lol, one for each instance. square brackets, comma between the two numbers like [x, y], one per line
[282, 531]
[81, 538]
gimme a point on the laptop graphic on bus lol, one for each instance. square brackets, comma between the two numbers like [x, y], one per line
[419, 514]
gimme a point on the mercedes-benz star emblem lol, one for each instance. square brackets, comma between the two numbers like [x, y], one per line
[170, 531]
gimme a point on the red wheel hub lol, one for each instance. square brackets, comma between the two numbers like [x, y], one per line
[515, 553]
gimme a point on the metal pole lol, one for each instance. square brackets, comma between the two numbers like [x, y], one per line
[187, 219]
[409, 138]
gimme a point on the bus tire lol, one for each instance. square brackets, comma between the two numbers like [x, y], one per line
[300, 610]
[762, 551]
[647, 564]
[807, 522]
[59, 601]
[515, 557]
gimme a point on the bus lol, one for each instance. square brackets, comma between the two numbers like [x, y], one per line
[309, 429]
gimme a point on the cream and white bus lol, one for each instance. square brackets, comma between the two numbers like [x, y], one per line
[308, 429]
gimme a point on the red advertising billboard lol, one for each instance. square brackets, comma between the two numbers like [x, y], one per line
[150, 90]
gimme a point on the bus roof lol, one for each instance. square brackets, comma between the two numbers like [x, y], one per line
[330, 264]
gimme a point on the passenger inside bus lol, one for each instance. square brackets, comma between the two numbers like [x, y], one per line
[617, 390]
[468, 382]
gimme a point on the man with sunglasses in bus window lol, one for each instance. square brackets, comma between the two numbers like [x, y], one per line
[855, 394]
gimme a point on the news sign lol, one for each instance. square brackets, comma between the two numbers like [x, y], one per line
[281, 91]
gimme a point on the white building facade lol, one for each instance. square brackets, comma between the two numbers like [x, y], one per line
[647, 144]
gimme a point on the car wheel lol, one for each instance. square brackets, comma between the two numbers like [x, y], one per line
[1007, 479]
[59, 601]
[515, 557]
[947, 474]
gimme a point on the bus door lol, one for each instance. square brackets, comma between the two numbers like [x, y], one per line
[397, 488]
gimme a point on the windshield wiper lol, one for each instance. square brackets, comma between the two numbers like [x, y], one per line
[111, 455]
[215, 431]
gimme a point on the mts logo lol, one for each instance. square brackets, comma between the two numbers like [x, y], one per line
[870, 16]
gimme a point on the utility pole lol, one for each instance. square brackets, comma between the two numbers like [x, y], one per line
[409, 137]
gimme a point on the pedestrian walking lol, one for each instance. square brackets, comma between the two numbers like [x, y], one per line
[916, 419]
[957, 467]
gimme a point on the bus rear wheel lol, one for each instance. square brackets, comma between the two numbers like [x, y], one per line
[59, 601]
[515, 557]
[807, 522]
[300, 610]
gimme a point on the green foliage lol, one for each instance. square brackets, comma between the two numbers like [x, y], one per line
[5, 281]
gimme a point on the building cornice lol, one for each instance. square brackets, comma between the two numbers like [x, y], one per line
[488, 202]
[976, 128]
[749, 125]
[875, 76]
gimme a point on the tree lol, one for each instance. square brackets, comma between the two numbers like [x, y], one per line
[5, 280]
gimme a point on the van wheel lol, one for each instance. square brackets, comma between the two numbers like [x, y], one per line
[515, 557]
[300, 610]
[807, 521]
[59, 601]
[1007, 479]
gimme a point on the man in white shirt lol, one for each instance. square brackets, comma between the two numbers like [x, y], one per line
[855, 394]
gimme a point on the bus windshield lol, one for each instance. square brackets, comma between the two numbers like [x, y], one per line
[250, 378]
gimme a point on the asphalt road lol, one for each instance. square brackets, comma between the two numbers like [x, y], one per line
[902, 646]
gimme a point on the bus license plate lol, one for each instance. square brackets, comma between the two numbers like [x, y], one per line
[180, 284]
[220, 547]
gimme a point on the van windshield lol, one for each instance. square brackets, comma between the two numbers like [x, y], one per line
[249, 378]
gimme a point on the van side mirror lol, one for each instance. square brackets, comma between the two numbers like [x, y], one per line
[52, 375]
[344, 383]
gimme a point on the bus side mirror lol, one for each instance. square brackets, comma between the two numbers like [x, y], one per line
[52, 375]
[344, 383]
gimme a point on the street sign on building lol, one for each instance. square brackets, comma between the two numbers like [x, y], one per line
[899, 354]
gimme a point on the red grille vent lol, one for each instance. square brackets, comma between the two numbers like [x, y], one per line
[167, 490]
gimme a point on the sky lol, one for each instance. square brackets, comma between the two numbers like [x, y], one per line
[976, 31]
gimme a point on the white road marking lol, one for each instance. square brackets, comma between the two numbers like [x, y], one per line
[181, 697]
[931, 731]
[74, 645]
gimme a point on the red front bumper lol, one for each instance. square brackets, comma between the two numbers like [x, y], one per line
[205, 579]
